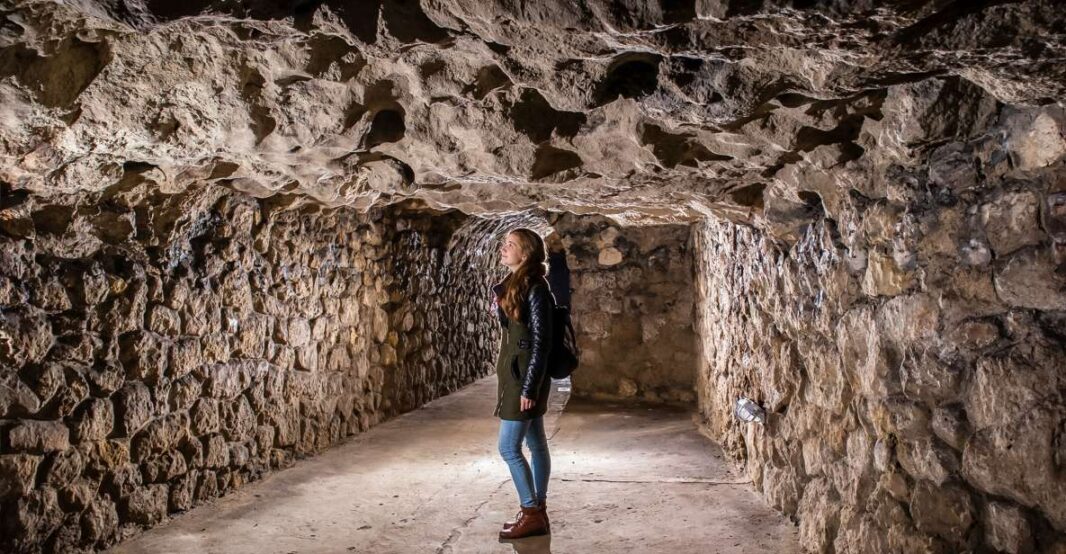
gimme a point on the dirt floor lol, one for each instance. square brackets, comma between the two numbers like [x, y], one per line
[624, 479]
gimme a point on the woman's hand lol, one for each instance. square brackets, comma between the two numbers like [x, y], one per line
[527, 404]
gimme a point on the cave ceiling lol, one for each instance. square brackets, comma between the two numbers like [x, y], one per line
[648, 112]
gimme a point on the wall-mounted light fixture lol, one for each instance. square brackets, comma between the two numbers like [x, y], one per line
[747, 410]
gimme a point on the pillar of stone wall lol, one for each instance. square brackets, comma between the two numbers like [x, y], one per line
[633, 309]
[908, 345]
[157, 351]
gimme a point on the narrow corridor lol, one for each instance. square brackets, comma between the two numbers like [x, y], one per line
[625, 479]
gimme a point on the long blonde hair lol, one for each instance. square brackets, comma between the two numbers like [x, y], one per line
[517, 283]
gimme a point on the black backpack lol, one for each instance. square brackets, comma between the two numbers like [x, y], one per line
[563, 356]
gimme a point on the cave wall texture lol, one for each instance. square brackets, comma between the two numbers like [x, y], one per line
[633, 305]
[877, 192]
[909, 348]
[221, 338]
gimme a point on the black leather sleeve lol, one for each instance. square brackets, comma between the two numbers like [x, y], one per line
[540, 330]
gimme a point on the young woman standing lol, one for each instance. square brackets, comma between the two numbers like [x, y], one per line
[523, 304]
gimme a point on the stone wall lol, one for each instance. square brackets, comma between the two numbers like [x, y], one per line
[633, 309]
[161, 350]
[908, 345]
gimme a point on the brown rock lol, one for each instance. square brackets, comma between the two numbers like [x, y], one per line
[133, 408]
[164, 321]
[1006, 387]
[944, 510]
[216, 452]
[144, 356]
[164, 467]
[123, 481]
[1012, 221]
[39, 436]
[148, 505]
[100, 521]
[33, 518]
[184, 393]
[205, 416]
[185, 356]
[17, 474]
[62, 468]
[224, 380]
[238, 419]
[207, 487]
[51, 296]
[158, 436]
[818, 515]
[927, 459]
[67, 538]
[950, 425]
[30, 337]
[78, 495]
[1029, 279]
[1006, 528]
[94, 420]
[1016, 460]
[182, 491]
[17, 399]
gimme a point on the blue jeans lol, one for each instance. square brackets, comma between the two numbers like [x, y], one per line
[532, 486]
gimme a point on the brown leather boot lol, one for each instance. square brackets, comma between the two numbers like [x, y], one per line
[530, 523]
[543, 510]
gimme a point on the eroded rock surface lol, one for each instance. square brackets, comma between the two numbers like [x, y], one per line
[142, 378]
[909, 348]
[659, 111]
[632, 309]
[199, 280]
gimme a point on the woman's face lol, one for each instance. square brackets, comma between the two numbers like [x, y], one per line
[510, 253]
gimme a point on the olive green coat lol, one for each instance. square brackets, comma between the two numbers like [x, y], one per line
[511, 368]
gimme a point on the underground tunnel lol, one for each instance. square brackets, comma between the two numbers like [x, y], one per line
[816, 251]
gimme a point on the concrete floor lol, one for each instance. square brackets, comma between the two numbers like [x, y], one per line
[624, 479]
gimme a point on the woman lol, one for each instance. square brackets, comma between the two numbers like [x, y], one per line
[523, 304]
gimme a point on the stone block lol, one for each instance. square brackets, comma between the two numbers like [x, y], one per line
[61, 468]
[78, 495]
[27, 337]
[33, 518]
[39, 436]
[94, 420]
[133, 408]
[1015, 460]
[943, 510]
[1029, 278]
[148, 505]
[17, 474]
[205, 416]
[927, 459]
[185, 356]
[1006, 528]
[144, 356]
[100, 521]
[182, 492]
[216, 452]
[184, 392]
[238, 419]
[164, 321]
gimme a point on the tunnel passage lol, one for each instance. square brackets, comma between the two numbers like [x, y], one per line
[234, 234]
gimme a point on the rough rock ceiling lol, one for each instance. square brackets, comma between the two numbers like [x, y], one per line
[648, 111]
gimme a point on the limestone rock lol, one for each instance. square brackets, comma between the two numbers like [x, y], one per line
[133, 408]
[1006, 528]
[148, 505]
[39, 436]
[17, 473]
[946, 511]
[95, 420]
